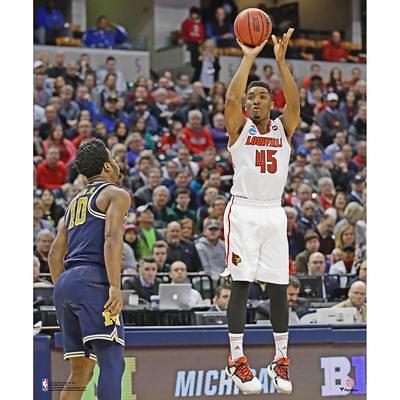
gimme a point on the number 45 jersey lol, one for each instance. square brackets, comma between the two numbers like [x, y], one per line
[85, 228]
[261, 162]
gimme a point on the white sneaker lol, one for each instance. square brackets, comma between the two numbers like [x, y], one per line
[278, 371]
[241, 374]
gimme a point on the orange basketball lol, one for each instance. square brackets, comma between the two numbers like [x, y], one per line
[252, 26]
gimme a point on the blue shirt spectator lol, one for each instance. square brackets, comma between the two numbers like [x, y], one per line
[111, 114]
[49, 23]
[103, 37]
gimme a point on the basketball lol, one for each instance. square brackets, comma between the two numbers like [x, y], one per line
[252, 26]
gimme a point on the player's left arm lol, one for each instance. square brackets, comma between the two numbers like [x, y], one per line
[291, 111]
[57, 253]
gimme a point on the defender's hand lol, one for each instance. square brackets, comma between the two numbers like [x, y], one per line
[114, 303]
[280, 46]
[251, 52]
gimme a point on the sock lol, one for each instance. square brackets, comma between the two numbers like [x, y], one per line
[281, 342]
[236, 342]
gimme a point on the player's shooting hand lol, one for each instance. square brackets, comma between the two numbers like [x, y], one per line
[114, 303]
[280, 46]
[251, 51]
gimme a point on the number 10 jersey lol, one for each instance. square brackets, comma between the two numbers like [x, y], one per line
[261, 162]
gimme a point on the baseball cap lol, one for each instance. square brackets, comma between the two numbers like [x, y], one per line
[144, 208]
[348, 247]
[129, 227]
[112, 97]
[309, 136]
[37, 64]
[332, 97]
[358, 179]
[212, 224]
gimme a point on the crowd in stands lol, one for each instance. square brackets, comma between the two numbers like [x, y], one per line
[169, 138]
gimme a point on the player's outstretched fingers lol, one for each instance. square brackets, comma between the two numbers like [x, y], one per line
[274, 40]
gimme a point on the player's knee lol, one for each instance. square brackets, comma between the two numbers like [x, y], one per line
[82, 369]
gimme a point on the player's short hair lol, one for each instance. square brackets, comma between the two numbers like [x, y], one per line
[91, 157]
[260, 84]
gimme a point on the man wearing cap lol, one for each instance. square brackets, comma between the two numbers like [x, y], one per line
[211, 248]
[110, 113]
[310, 141]
[312, 243]
[330, 120]
[357, 190]
[357, 295]
[147, 234]
[141, 110]
[345, 266]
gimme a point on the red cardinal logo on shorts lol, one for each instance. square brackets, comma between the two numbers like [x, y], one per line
[236, 259]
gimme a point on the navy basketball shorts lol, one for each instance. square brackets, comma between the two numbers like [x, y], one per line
[79, 296]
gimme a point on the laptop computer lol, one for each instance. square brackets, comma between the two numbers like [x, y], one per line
[174, 296]
[311, 287]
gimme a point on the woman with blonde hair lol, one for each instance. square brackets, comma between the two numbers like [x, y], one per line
[345, 237]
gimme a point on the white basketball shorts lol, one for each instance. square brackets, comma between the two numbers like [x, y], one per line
[256, 241]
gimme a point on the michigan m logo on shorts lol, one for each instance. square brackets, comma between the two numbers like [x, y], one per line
[109, 319]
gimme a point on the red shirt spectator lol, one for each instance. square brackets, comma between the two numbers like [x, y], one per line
[361, 157]
[192, 29]
[333, 50]
[197, 140]
[52, 173]
[277, 97]
[84, 133]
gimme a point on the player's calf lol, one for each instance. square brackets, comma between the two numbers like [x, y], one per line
[80, 375]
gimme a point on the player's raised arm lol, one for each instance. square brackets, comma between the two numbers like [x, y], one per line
[119, 204]
[291, 111]
[57, 253]
[233, 104]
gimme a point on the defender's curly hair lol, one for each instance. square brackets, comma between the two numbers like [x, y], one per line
[90, 158]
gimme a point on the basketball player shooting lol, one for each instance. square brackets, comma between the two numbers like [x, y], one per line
[254, 221]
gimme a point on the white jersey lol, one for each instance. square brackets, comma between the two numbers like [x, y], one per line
[260, 162]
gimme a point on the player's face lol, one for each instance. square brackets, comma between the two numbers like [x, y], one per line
[258, 103]
[114, 171]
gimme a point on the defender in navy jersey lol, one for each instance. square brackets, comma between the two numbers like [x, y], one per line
[85, 264]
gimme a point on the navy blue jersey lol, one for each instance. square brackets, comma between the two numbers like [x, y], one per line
[85, 228]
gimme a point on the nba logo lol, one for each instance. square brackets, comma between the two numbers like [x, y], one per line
[45, 385]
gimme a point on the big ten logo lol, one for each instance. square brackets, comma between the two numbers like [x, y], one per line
[337, 381]
[110, 319]
[126, 384]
